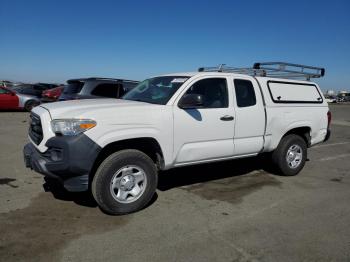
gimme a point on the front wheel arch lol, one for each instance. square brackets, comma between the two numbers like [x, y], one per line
[147, 145]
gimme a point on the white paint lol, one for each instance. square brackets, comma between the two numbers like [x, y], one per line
[249, 123]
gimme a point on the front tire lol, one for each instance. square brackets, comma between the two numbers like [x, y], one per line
[290, 155]
[125, 182]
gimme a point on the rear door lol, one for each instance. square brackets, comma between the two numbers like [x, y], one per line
[250, 116]
[207, 132]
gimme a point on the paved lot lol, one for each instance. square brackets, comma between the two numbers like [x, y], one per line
[232, 211]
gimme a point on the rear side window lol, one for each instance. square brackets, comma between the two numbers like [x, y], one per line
[73, 88]
[106, 90]
[245, 94]
[39, 87]
[28, 91]
[128, 86]
[214, 91]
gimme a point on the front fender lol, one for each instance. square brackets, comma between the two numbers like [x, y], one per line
[117, 133]
[123, 133]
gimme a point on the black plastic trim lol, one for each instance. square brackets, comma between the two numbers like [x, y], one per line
[291, 101]
[35, 129]
[67, 157]
[328, 135]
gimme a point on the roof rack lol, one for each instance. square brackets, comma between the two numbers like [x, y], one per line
[103, 79]
[272, 69]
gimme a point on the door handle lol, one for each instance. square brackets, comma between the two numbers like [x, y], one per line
[227, 118]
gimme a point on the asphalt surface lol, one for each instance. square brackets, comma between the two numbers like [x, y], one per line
[229, 211]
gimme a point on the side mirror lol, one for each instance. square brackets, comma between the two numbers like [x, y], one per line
[191, 101]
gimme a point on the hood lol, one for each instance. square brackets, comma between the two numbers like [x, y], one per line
[109, 110]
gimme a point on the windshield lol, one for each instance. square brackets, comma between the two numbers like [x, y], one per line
[157, 90]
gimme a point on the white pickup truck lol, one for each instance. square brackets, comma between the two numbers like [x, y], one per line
[115, 147]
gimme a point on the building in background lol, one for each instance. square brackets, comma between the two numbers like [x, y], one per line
[330, 93]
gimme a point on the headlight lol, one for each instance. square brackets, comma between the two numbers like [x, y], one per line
[71, 127]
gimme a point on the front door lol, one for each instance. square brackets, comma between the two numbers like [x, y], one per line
[205, 132]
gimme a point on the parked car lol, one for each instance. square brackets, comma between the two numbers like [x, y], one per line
[5, 83]
[85, 88]
[116, 146]
[12, 99]
[51, 95]
[331, 100]
[47, 86]
[33, 89]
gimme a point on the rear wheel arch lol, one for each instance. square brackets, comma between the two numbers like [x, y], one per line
[304, 132]
[30, 104]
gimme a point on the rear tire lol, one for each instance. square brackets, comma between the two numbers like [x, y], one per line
[290, 155]
[29, 105]
[125, 182]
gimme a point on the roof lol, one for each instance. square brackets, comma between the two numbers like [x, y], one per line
[190, 74]
[100, 79]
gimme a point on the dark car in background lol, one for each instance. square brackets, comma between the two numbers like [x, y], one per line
[33, 89]
[51, 95]
[94, 87]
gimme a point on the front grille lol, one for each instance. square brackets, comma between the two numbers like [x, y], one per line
[35, 129]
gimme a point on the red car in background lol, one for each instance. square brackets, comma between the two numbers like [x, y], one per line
[51, 95]
[12, 99]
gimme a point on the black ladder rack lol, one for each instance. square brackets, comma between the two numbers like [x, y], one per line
[272, 69]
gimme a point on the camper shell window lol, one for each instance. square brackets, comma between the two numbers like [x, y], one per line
[294, 92]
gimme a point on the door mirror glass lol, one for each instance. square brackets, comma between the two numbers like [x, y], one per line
[191, 101]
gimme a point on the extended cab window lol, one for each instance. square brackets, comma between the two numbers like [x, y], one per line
[106, 90]
[245, 95]
[213, 90]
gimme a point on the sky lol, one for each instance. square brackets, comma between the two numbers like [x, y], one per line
[52, 41]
